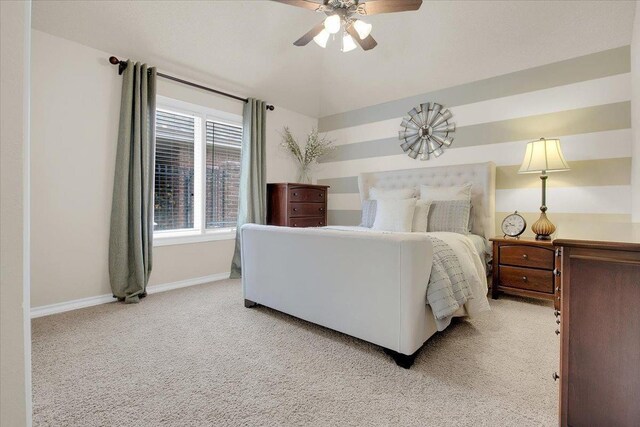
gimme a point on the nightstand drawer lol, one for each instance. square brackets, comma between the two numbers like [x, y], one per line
[307, 195]
[527, 256]
[529, 279]
[306, 209]
[307, 222]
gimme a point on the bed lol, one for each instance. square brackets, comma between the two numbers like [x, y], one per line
[370, 285]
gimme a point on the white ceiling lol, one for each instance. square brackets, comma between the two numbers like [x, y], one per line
[246, 46]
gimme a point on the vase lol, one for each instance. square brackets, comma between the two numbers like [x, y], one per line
[304, 174]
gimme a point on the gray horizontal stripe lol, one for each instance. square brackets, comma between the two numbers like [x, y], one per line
[344, 217]
[341, 185]
[570, 122]
[594, 172]
[594, 66]
[361, 150]
[583, 173]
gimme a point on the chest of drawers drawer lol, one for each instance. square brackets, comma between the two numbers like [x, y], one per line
[305, 194]
[526, 278]
[307, 222]
[306, 209]
[527, 256]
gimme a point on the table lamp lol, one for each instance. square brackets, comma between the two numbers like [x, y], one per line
[543, 156]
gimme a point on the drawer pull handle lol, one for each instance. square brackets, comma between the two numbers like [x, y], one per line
[525, 256]
[557, 288]
[295, 225]
[295, 194]
[295, 209]
[556, 272]
[556, 313]
[320, 223]
[321, 209]
[524, 278]
[555, 376]
[320, 195]
[557, 321]
[557, 332]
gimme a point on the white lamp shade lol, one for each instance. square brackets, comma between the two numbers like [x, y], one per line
[544, 155]
[321, 39]
[332, 23]
[362, 28]
[347, 43]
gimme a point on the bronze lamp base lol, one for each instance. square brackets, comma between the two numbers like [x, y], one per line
[543, 227]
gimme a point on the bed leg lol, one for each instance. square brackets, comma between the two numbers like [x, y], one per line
[248, 303]
[402, 360]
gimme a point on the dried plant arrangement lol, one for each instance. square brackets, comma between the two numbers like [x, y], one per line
[316, 147]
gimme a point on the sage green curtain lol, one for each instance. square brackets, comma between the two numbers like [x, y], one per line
[252, 199]
[131, 238]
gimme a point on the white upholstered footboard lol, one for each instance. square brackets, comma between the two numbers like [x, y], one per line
[370, 286]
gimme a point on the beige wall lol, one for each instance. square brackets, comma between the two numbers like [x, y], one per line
[635, 113]
[76, 96]
[15, 334]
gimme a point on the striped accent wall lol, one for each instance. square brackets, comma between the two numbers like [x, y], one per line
[584, 101]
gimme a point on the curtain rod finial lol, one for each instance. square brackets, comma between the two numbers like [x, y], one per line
[270, 107]
[113, 60]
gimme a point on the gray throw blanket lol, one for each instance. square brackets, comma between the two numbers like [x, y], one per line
[448, 288]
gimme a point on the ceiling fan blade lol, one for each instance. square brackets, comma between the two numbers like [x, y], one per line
[307, 4]
[304, 40]
[367, 43]
[374, 7]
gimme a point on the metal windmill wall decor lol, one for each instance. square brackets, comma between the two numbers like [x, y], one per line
[427, 131]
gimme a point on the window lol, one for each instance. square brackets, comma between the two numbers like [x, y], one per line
[224, 142]
[197, 173]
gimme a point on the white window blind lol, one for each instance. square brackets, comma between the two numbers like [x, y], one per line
[224, 142]
[174, 171]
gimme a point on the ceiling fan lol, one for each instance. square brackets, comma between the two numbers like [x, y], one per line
[340, 16]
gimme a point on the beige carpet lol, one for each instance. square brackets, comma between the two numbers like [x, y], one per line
[197, 357]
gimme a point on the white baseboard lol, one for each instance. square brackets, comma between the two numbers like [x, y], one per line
[61, 307]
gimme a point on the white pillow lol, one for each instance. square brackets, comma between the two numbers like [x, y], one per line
[455, 192]
[401, 193]
[421, 216]
[394, 215]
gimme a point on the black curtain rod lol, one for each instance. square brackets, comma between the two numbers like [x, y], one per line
[123, 64]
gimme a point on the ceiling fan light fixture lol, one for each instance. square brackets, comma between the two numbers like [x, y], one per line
[347, 43]
[322, 38]
[333, 23]
[363, 29]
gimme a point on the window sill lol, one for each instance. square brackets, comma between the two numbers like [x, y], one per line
[169, 239]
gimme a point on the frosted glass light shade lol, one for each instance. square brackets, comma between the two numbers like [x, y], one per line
[332, 24]
[322, 38]
[543, 155]
[362, 28]
[347, 43]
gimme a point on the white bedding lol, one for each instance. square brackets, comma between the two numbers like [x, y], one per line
[471, 264]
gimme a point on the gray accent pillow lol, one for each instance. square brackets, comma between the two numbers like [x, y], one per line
[369, 208]
[449, 215]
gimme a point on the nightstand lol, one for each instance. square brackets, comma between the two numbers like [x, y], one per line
[526, 267]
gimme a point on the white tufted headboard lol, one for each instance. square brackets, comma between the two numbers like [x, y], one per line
[481, 175]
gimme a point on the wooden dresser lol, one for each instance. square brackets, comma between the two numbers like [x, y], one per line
[297, 205]
[599, 330]
[525, 267]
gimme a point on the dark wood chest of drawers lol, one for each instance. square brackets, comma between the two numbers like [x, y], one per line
[600, 334]
[525, 267]
[296, 205]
